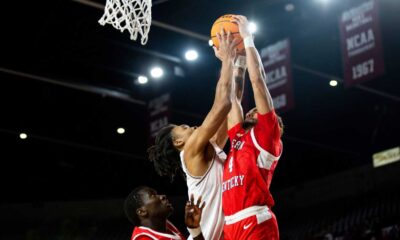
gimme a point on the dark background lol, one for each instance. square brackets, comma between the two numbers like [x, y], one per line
[73, 152]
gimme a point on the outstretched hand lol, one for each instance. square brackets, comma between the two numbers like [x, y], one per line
[193, 212]
[227, 46]
[217, 53]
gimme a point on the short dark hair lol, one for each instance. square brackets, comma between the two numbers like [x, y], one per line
[132, 203]
[164, 155]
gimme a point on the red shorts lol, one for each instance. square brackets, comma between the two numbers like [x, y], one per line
[253, 228]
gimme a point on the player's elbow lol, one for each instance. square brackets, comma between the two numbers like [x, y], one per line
[224, 92]
[226, 106]
[223, 106]
[225, 86]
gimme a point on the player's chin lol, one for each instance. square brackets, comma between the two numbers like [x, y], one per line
[249, 123]
[169, 207]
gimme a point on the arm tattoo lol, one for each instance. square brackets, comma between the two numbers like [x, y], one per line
[239, 83]
[239, 86]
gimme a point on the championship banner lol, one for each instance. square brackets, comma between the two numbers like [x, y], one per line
[277, 65]
[361, 43]
[159, 111]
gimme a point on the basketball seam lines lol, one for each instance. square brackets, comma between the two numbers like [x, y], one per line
[225, 34]
[241, 41]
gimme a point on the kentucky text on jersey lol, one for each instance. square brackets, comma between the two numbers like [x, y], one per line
[237, 144]
[235, 181]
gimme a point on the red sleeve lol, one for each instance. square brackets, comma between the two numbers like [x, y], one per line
[235, 129]
[267, 133]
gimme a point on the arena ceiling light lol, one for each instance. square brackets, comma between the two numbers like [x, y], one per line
[323, 1]
[252, 27]
[142, 79]
[333, 83]
[23, 136]
[120, 130]
[191, 55]
[289, 7]
[156, 72]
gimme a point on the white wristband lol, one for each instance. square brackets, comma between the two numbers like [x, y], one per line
[248, 42]
[194, 232]
[240, 62]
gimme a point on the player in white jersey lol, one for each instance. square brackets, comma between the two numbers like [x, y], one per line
[198, 149]
[209, 186]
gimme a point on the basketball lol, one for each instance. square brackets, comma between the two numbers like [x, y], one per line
[225, 23]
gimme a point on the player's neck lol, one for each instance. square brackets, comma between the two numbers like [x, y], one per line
[248, 125]
[159, 225]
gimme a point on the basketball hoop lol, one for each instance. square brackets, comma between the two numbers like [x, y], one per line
[131, 15]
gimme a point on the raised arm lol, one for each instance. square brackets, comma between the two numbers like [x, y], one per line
[257, 75]
[239, 71]
[235, 114]
[222, 103]
[193, 217]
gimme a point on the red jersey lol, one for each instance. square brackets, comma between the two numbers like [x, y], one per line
[144, 233]
[250, 165]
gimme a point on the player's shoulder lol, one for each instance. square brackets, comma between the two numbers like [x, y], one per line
[143, 233]
[268, 116]
[144, 236]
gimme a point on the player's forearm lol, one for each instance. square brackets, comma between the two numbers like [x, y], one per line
[226, 73]
[196, 233]
[200, 237]
[224, 86]
[235, 115]
[238, 76]
[254, 64]
[258, 79]
[221, 136]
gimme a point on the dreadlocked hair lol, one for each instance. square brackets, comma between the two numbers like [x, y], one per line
[164, 154]
[131, 204]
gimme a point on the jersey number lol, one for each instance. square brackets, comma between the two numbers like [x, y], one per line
[230, 164]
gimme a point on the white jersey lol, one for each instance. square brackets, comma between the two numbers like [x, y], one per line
[209, 187]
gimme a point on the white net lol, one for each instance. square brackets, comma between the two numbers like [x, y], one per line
[131, 15]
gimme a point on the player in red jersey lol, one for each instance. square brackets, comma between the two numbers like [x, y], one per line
[255, 150]
[149, 211]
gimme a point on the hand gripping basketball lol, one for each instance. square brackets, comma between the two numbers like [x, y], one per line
[226, 22]
[243, 25]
